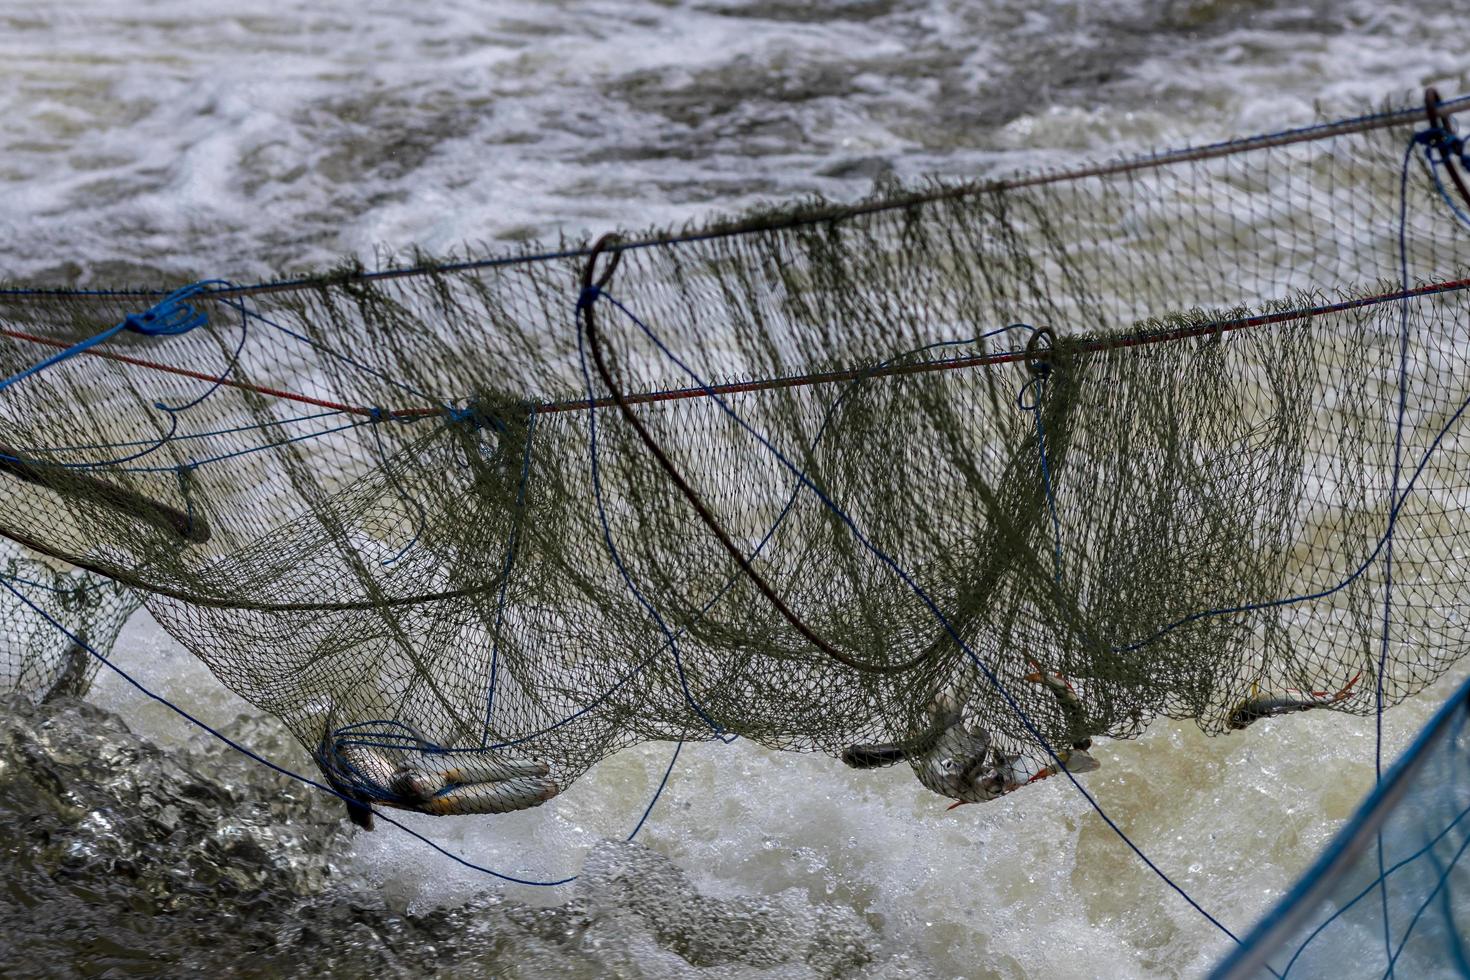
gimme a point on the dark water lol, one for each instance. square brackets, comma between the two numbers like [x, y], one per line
[123, 860]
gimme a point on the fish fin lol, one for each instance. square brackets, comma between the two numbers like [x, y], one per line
[1080, 761]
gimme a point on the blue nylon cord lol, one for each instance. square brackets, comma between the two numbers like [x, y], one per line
[403, 495]
[1371, 887]
[1037, 387]
[1460, 956]
[195, 464]
[79, 587]
[510, 557]
[344, 358]
[182, 437]
[612, 550]
[169, 317]
[1413, 922]
[229, 368]
[1398, 443]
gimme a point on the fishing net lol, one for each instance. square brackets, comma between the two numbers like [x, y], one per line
[1062, 454]
[38, 660]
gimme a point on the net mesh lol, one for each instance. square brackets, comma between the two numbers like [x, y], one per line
[385, 505]
[38, 660]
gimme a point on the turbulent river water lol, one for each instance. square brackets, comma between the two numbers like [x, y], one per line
[177, 140]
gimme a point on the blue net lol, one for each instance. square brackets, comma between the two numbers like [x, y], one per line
[1390, 897]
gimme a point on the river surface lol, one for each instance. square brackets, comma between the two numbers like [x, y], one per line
[176, 140]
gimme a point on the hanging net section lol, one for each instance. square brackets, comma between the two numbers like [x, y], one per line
[37, 660]
[968, 475]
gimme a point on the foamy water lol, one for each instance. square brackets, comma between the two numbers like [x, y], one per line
[188, 140]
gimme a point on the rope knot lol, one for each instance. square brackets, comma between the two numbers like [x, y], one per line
[587, 297]
[474, 417]
[1443, 142]
[170, 317]
[1039, 349]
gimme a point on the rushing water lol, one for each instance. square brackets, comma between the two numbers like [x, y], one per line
[179, 140]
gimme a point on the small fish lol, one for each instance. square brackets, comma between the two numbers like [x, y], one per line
[1009, 773]
[1072, 708]
[956, 764]
[943, 712]
[429, 779]
[869, 755]
[341, 764]
[71, 679]
[501, 796]
[959, 761]
[1254, 709]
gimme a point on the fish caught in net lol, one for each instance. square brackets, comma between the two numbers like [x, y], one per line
[966, 476]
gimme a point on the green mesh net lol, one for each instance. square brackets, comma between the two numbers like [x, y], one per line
[38, 660]
[405, 514]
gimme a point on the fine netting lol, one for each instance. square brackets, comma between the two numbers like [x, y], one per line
[383, 505]
[38, 660]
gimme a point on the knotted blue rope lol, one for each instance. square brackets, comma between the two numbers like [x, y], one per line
[170, 317]
[1443, 148]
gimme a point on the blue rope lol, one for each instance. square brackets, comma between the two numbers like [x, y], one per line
[170, 317]
[423, 517]
[1398, 441]
[344, 358]
[1372, 886]
[1444, 191]
[1396, 506]
[470, 414]
[183, 437]
[196, 463]
[612, 550]
[1413, 922]
[925, 598]
[1037, 387]
[510, 557]
[1460, 956]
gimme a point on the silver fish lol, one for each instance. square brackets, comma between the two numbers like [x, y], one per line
[959, 761]
[1254, 709]
[431, 780]
[500, 796]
